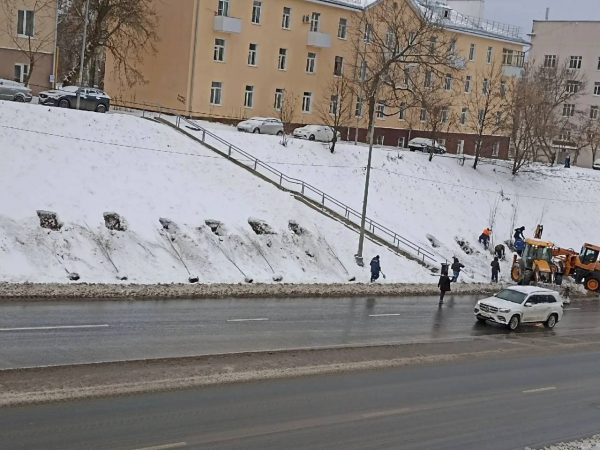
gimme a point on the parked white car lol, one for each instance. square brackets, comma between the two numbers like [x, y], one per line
[424, 144]
[12, 90]
[264, 125]
[521, 304]
[596, 165]
[321, 133]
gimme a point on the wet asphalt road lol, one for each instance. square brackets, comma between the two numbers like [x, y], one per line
[501, 404]
[54, 333]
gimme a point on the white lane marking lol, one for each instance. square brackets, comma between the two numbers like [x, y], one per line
[570, 309]
[544, 389]
[57, 327]
[384, 315]
[165, 446]
[258, 319]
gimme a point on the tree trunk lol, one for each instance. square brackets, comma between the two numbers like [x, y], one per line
[333, 141]
[477, 151]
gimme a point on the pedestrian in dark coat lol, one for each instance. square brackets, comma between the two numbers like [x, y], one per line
[568, 161]
[375, 268]
[500, 251]
[456, 266]
[444, 285]
[519, 234]
[495, 270]
[519, 246]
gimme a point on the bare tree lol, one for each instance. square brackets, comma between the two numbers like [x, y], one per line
[124, 28]
[26, 31]
[584, 133]
[487, 106]
[389, 39]
[286, 105]
[335, 110]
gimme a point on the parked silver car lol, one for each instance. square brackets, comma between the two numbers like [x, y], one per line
[264, 125]
[90, 99]
[12, 90]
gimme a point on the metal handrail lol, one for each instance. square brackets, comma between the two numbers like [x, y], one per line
[304, 189]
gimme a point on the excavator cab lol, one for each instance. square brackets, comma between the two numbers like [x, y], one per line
[535, 264]
[587, 268]
[589, 254]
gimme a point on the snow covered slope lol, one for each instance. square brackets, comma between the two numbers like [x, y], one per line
[441, 204]
[82, 164]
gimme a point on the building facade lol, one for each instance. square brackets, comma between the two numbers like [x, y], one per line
[233, 59]
[27, 41]
[556, 42]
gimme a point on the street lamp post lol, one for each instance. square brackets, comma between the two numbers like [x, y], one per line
[81, 64]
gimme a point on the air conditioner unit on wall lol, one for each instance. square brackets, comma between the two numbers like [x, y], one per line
[305, 19]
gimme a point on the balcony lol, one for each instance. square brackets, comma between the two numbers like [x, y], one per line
[512, 71]
[317, 39]
[226, 24]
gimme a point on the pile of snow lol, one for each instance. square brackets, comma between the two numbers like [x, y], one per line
[441, 204]
[82, 165]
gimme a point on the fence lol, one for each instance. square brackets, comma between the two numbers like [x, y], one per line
[305, 190]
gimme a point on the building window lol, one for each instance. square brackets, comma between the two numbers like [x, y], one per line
[402, 112]
[445, 115]
[573, 87]
[565, 136]
[401, 142]
[490, 55]
[338, 66]
[25, 23]
[314, 21]
[343, 28]
[481, 117]
[256, 9]
[368, 33]
[21, 71]
[597, 88]
[575, 62]
[460, 147]
[507, 57]
[286, 18]
[568, 110]
[223, 8]
[441, 142]
[468, 80]
[380, 139]
[428, 79]
[423, 115]
[219, 53]
[216, 92]
[252, 49]
[282, 61]
[448, 82]
[311, 61]
[306, 102]
[485, 88]
[496, 149]
[472, 52]
[278, 99]
[550, 61]
[358, 110]
[380, 110]
[333, 105]
[594, 112]
[249, 97]
[363, 71]
[463, 116]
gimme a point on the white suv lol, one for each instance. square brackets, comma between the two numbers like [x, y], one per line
[521, 304]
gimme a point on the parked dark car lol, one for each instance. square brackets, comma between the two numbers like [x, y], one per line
[91, 99]
[12, 90]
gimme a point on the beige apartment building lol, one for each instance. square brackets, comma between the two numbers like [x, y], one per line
[556, 42]
[27, 34]
[232, 59]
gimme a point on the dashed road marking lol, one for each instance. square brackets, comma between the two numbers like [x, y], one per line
[535, 391]
[57, 327]
[165, 446]
[570, 309]
[384, 315]
[258, 319]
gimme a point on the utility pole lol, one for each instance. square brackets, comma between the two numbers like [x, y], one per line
[55, 55]
[83, 45]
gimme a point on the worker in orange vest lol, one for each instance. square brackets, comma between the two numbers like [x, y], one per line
[485, 237]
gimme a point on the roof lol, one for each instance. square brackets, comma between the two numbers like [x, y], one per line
[539, 243]
[529, 289]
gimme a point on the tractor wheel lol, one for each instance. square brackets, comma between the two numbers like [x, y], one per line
[515, 274]
[558, 279]
[592, 284]
[527, 277]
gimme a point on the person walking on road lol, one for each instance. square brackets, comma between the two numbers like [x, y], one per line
[375, 268]
[456, 267]
[444, 285]
[495, 270]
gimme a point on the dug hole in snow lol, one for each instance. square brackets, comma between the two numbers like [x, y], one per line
[82, 166]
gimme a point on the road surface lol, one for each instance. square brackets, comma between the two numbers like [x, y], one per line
[508, 403]
[55, 333]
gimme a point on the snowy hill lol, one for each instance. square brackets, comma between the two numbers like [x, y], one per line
[81, 164]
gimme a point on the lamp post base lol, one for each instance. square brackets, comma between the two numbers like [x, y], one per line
[359, 260]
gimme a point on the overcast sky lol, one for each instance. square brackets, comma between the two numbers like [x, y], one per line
[523, 12]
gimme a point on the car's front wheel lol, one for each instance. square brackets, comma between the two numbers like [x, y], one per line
[513, 323]
[481, 319]
[101, 108]
[64, 103]
[280, 133]
[256, 130]
[311, 137]
[19, 98]
[551, 321]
